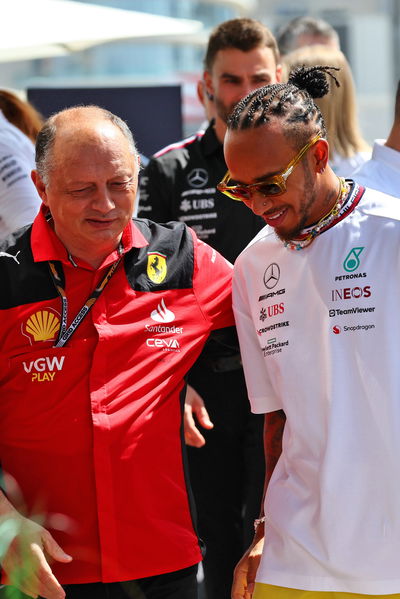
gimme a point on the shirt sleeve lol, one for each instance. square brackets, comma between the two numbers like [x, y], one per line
[19, 200]
[212, 284]
[155, 190]
[262, 395]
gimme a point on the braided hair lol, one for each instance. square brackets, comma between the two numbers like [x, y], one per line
[291, 103]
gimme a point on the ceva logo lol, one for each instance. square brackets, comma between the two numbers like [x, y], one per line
[164, 344]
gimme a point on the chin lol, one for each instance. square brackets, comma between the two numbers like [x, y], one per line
[288, 235]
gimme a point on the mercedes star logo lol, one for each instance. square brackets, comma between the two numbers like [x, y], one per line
[198, 177]
[271, 276]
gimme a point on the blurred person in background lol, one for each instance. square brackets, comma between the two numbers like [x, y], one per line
[19, 200]
[382, 171]
[347, 147]
[206, 100]
[179, 183]
[306, 31]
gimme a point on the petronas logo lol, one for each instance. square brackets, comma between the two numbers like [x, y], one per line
[352, 261]
[42, 326]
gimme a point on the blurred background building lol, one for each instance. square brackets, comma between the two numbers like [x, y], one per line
[369, 32]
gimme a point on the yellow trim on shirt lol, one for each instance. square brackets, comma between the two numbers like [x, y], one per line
[268, 591]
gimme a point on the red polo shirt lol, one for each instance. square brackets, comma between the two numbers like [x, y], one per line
[91, 431]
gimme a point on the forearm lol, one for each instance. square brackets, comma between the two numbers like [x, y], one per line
[274, 425]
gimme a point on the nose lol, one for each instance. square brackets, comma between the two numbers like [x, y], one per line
[102, 200]
[259, 203]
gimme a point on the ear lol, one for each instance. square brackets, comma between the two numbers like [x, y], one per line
[40, 186]
[208, 85]
[278, 73]
[320, 155]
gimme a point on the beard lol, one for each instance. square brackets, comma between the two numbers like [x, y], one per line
[308, 202]
[223, 111]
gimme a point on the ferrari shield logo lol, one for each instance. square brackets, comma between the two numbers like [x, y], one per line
[156, 267]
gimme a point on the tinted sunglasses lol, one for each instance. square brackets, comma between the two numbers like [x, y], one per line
[271, 186]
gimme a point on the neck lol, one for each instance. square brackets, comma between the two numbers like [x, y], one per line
[328, 192]
[220, 129]
[95, 257]
[94, 261]
[393, 140]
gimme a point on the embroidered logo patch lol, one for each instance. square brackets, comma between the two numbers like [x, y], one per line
[41, 326]
[156, 267]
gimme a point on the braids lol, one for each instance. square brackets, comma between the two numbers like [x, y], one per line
[291, 102]
[313, 79]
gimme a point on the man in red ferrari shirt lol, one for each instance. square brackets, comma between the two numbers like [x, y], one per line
[100, 317]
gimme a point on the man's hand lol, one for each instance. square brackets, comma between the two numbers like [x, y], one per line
[244, 575]
[194, 405]
[25, 560]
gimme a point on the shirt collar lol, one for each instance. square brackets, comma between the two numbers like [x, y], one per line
[47, 246]
[383, 153]
[210, 141]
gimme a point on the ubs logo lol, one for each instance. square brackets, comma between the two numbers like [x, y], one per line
[272, 276]
[197, 177]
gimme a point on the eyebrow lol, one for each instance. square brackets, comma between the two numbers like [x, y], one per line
[233, 75]
[262, 72]
[267, 176]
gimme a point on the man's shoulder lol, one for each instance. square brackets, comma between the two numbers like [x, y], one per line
[167, 261]
[380, 204]
[178, 149]
[264, 237]
[152, 230]
[24, 280]
[17, 241]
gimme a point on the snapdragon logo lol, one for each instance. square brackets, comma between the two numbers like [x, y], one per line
[337, 330]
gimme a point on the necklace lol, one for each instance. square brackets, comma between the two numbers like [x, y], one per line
[324, 222]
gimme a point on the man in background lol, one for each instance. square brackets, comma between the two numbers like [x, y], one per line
[382, 171]
[306, 31]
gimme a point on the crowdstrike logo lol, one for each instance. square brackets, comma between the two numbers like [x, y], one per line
[162, 314]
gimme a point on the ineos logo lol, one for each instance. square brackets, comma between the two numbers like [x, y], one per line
[198, 177]
[271, 276]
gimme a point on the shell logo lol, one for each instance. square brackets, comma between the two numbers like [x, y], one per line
[42, 326]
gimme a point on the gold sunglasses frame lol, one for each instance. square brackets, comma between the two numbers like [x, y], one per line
[279, 179]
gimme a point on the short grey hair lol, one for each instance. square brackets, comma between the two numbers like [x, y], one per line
[46, 137]
[290, 32]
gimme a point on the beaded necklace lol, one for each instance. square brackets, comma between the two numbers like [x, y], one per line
[324, 222]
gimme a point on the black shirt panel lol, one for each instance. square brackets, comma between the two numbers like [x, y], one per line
[179, 183]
